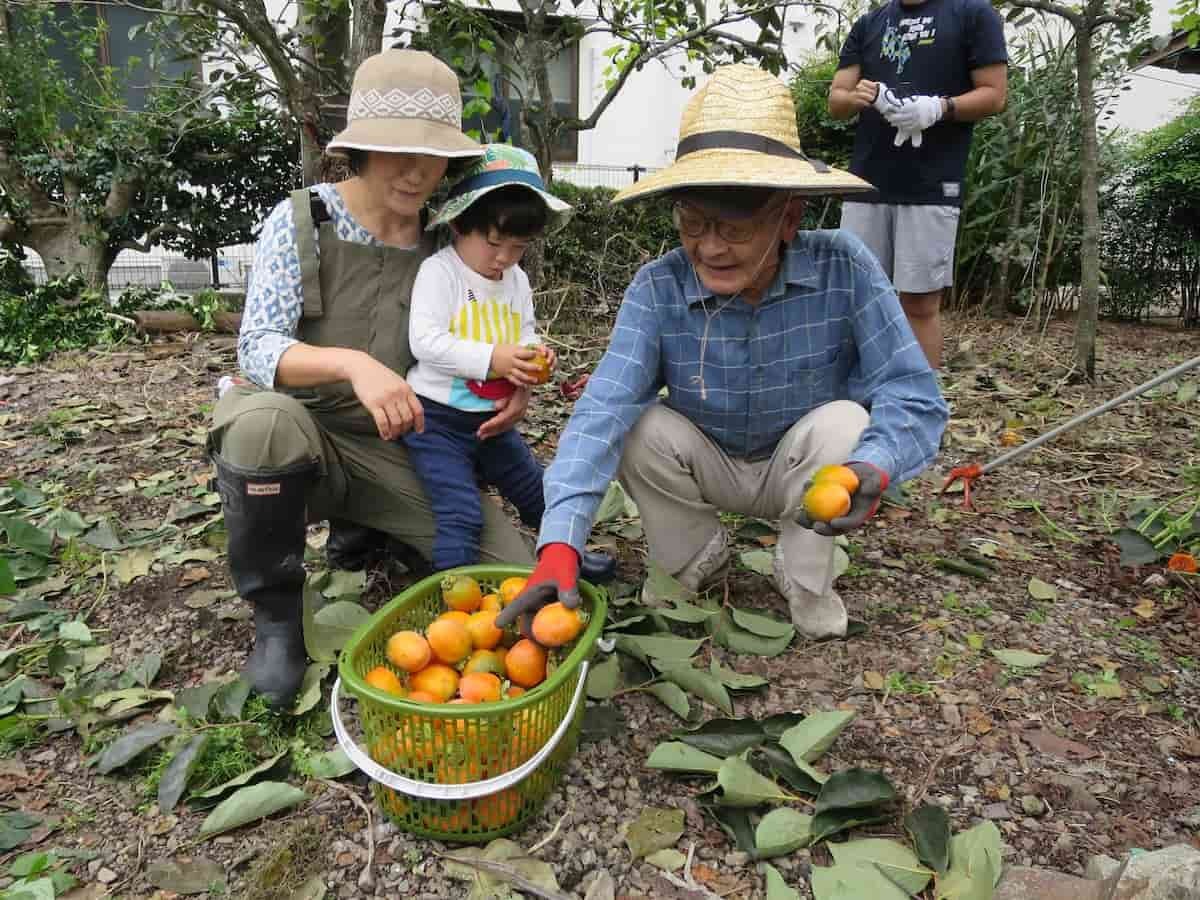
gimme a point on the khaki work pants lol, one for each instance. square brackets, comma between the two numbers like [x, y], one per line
[360, 477]
[680, 479]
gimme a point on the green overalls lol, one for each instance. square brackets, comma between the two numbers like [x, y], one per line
[355, 296]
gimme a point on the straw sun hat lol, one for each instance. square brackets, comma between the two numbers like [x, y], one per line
[739, 130]
[405, 101]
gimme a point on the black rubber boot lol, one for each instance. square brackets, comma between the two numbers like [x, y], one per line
[264, 517]
[598, 568]
[351, 546]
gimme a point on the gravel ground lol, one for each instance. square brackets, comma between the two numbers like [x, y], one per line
[1063, 770]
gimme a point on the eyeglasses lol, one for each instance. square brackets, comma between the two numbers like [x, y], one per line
[690, 222]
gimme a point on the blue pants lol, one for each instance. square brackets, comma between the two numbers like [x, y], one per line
[450, 461]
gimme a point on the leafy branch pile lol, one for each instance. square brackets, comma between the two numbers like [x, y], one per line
[1156, 529]
[748, 759]
[58, 315]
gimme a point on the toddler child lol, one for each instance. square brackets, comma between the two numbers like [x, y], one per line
[472, 331]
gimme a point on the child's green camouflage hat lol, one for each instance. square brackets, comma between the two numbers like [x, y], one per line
[500, 166]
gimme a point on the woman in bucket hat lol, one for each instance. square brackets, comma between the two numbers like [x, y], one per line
[781, 351]
[324, 340]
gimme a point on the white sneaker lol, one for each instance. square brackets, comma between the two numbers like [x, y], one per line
[706, 567]
[814, 617]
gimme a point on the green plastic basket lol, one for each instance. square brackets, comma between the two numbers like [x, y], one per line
[467, 773]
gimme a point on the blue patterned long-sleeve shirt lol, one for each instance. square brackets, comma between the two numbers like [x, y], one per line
[274, 299]
[830, 327]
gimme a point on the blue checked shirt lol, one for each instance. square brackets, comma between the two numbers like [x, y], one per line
[829, 328]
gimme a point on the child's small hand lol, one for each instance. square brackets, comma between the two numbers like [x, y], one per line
[514, 362]
[551, 356]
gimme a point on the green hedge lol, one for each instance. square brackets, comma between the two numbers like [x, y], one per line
[591, 261]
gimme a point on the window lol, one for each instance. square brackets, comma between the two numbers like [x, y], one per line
[509, 96]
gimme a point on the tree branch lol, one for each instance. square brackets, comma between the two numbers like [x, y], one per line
[148, 244]
[1048, 6]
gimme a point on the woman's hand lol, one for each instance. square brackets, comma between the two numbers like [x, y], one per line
[509, 411]
[514, 362]
[386, 396]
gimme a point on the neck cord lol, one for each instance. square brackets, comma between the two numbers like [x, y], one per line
[709, 316]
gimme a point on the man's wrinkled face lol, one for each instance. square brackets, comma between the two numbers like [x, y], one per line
[732, 236]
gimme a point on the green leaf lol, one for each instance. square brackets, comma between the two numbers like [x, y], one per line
[685, 612]
[132, 744]
[604, 678]
[668, 859]
[238, 780]
[735, 681]
[676, 756]
[65, 524]
[809, 740]
[775, 725]
[828, 823]
[666, 587]
[697, 682]
[345, 584]
[975, 864]
[230, 697]
[894, 861]
[799, 776]
[853, 883]
[657, 646]
[196, 700]
[741, 785]
[11, 695]
[8, 584]
[1186, 392]
[174, 780]
[332, 626]
[1039, 590]
[15, 828]
[729, 635]
[1020, 659]
[654, 829]
[134, 564]
[781, 831]
[330, 764]
[251, 804]
[723, 737]
[75, 631]
[855, 789]
[733, 820]
[760, 561]
[1136, 549]
[145, 670]
[929, 827]
[26, 536]
[102, 537]
[762, 625]
[616, 504]
[673, 698]
[115, 703]
[777, 888]
[309, 694]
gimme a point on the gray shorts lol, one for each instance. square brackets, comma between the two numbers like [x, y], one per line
[913, 243]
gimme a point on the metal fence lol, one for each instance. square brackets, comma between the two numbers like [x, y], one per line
[133, 269]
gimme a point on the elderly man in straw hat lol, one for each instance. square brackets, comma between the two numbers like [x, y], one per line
[781, 350]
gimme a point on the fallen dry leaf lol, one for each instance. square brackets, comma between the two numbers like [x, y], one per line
[1145, 608]
[1049, 742]
[193, 575]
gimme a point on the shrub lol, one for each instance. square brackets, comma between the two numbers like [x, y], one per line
[591, 261]
[58, 315]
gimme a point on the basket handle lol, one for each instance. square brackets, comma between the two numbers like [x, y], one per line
[468, 791]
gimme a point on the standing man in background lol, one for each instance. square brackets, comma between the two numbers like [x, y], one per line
[918, 74]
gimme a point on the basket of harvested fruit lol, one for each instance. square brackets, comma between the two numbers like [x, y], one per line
[466, 727]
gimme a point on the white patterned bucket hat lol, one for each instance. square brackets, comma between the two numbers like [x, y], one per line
[405, 101]
[501, 165]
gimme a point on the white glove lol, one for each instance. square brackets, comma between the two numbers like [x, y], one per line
[902, 136]
[886, 102]
[916, 114]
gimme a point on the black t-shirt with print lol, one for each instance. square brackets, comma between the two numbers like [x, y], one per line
[930, 48]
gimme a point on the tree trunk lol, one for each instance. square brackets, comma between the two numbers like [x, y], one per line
[1089, 205]
[539, 116]
[72, 249]
[325, 38]
[366, 32]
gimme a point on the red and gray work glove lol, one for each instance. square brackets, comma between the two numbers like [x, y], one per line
[555, 577]
[872, 482]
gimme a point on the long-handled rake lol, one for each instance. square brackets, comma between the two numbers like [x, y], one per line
[969, 473]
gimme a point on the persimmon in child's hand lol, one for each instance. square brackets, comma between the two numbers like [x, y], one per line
[516, 363]
[545, 359]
